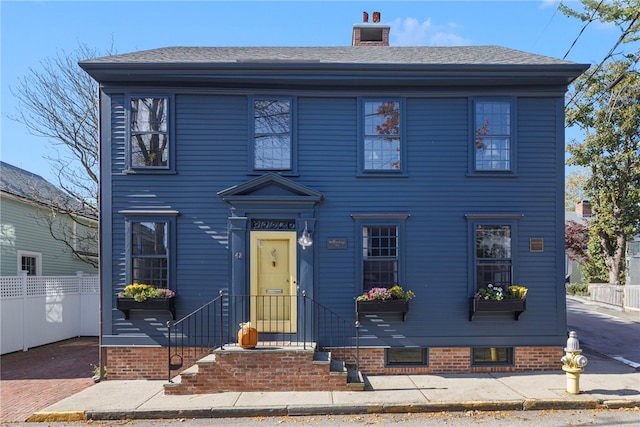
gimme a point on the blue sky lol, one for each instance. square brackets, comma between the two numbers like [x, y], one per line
[34, 30]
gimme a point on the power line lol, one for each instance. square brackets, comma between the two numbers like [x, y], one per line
[548, 23]
[591, 19]
[607, 56]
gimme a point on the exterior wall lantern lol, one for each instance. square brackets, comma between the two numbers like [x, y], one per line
[305, 240]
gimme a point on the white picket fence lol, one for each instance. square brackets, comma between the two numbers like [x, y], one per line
[626, 297]
[38, 310]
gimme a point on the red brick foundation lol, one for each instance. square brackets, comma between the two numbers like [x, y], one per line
[455, 360]
[145, 363]
[135, 363]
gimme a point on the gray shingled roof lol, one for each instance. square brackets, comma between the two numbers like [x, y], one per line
[313, 67]
[479, 55]
[27, 185]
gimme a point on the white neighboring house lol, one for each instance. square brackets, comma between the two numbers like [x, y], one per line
[633, 262]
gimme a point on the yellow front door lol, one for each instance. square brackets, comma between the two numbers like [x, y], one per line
[273, 281]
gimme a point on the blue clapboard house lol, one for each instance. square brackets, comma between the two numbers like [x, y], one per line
[310, 175]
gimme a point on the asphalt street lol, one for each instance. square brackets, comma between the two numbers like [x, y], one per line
[606, 330]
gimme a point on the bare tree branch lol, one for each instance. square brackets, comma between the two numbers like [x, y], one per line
[59, 101]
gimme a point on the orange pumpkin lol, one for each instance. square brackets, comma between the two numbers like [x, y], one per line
[247, 337]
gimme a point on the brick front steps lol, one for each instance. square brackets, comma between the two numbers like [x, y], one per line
[265, 368]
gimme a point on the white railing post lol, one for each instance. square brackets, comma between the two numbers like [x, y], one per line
[23, 276]
[79, 275]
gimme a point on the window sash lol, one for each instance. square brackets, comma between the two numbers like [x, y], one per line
[149, 253]
[382, 141]
[29, 264]
[497, 273]
[492, 135]
[272, 134]
[493, 255]
[150, 270]
[494, 154]
[378, 274]
[149, 132]
[380, 256]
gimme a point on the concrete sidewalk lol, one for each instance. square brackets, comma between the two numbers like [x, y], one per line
[606, 383]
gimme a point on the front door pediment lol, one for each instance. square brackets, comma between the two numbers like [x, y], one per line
[270, 188]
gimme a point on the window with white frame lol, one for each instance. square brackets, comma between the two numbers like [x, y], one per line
[493, 135]
[493, 257]
[149, 137]
[382, 129]
[31, 262]
[272, 133]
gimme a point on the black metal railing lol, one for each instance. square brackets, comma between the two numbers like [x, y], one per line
[281, 320]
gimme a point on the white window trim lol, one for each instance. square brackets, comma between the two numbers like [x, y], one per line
[36, 255]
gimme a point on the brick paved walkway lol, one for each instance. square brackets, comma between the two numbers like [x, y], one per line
[32, 380]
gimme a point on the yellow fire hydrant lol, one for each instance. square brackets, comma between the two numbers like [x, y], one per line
[573, 363]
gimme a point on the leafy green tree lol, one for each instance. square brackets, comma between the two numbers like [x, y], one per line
[605, 104]
[623, 14]
[574, 189]
[594, 268]
[609, 114]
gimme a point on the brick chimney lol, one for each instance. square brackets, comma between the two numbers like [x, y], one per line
[583, 208]
[367, 34]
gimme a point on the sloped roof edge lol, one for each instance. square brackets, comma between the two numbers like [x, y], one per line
[249, 189]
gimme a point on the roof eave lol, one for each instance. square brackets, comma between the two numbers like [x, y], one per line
[304, 72]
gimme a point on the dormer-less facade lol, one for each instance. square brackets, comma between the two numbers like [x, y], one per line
[440, 169]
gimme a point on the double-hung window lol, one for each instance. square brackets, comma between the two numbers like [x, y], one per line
[149, 260]
[273, 147]
[493, 135]
[379, 256]
[149, 137]
[382, 150]
[381, 237]
[493, 257]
